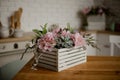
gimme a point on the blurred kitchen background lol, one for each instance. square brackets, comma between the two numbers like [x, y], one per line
[36, 12]
[60, 12]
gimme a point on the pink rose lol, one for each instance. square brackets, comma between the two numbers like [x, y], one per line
[41, 43]
[56, 30]
[100, 11]
[47, 42]
[78, 39]
[72, 36]
[49, 37]
[65, 33]
[86, 10]
[48, 46]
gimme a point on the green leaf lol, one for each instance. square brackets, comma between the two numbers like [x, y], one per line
[45, 29]
[70, 28]
[45, 26]
[32, 41]
[66, 39]
[68, 25]
[38, 32]
[62, 37]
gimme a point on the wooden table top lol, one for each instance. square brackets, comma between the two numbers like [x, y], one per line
[96, 68]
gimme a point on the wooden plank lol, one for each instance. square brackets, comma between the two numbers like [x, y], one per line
[96, 68]
[103, 58]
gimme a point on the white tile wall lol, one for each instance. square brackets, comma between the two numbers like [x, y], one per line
[39, 12]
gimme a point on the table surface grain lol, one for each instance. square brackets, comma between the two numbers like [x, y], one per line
[96, 68]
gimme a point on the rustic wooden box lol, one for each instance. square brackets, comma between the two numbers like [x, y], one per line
[61, 59]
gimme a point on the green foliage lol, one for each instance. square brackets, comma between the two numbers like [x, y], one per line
[64, 42]
[70, 28]
[44, 29]
[39, 33]
[90, 41]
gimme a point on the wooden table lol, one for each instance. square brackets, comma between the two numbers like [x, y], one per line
[96, 68]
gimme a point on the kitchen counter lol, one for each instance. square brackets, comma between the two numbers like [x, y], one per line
[26, 36]
[30, 35]
[104, 32]
[96, 68]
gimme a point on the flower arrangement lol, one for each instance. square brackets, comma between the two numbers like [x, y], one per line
[61, 38]
[47, 40]
[91, 11]
[95, 10]
[58, 38]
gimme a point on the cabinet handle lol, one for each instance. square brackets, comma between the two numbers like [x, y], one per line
[15, 46]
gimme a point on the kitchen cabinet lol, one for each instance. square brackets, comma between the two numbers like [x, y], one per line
[90, 50]
[104, 44]
[13, 46]
[11, 49]
[115, 45]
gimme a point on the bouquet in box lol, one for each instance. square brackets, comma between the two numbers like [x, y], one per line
[57, 38]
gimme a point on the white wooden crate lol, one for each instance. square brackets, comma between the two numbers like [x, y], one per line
[62, 59]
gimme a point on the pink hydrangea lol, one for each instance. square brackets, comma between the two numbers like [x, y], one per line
[65, 33]
[56, 30]
[78, 39]
[47, 42]
[72, 36]
[49, 37]
[86, 10]
[100, 11]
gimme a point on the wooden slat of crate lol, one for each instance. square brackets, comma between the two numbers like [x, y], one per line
[72, 61]
[71, 55]
[79, 62]
[63, 58]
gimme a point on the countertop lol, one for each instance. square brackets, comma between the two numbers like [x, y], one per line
[103, 32]
[96, 68]
[30, 35]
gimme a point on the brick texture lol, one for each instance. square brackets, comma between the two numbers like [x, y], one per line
[39, 12]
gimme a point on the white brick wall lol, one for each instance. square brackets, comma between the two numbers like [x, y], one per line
[39, 12]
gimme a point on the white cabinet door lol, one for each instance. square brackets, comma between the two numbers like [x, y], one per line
[13, 46]
[104, 50]
[102, 38]
[90, 50]
[104, 44]
[13, 51]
